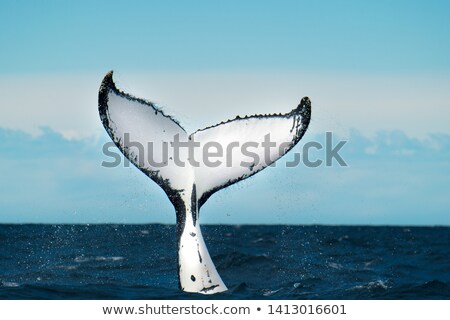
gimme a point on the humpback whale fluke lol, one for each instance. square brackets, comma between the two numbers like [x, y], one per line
[143, 133]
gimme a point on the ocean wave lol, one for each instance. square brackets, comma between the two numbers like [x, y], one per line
[238, 259]
[372, 285]
[82, 259]
[335, 265]
[9, 284]
[269, 293]
[67, 267]
[264, 241]
[75, 262]
[434, 285]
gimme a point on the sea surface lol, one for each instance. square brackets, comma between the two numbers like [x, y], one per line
[256, 262]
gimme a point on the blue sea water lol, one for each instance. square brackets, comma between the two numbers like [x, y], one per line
[256, 262]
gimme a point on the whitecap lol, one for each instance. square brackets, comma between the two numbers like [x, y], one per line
[372, 285]
[81, 259]
[10, 284]
[67, 267]
[335, 265]
[258, 240]
[100, 258]
[269, 293]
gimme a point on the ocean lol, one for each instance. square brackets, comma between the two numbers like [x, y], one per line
[255, 262]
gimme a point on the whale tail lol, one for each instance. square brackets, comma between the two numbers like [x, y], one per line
[180, 163]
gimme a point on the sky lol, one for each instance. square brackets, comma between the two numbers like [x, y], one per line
[377, 73]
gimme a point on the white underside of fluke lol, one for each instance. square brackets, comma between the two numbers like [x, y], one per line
[142, 132]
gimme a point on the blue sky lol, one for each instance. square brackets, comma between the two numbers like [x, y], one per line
[346, 36]
[378, 74]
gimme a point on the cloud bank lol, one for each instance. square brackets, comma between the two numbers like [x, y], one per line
[391, 179]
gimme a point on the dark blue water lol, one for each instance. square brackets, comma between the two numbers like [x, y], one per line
[256, 262]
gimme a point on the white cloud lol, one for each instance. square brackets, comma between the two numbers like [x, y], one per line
[391, 186]
[415, 104]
